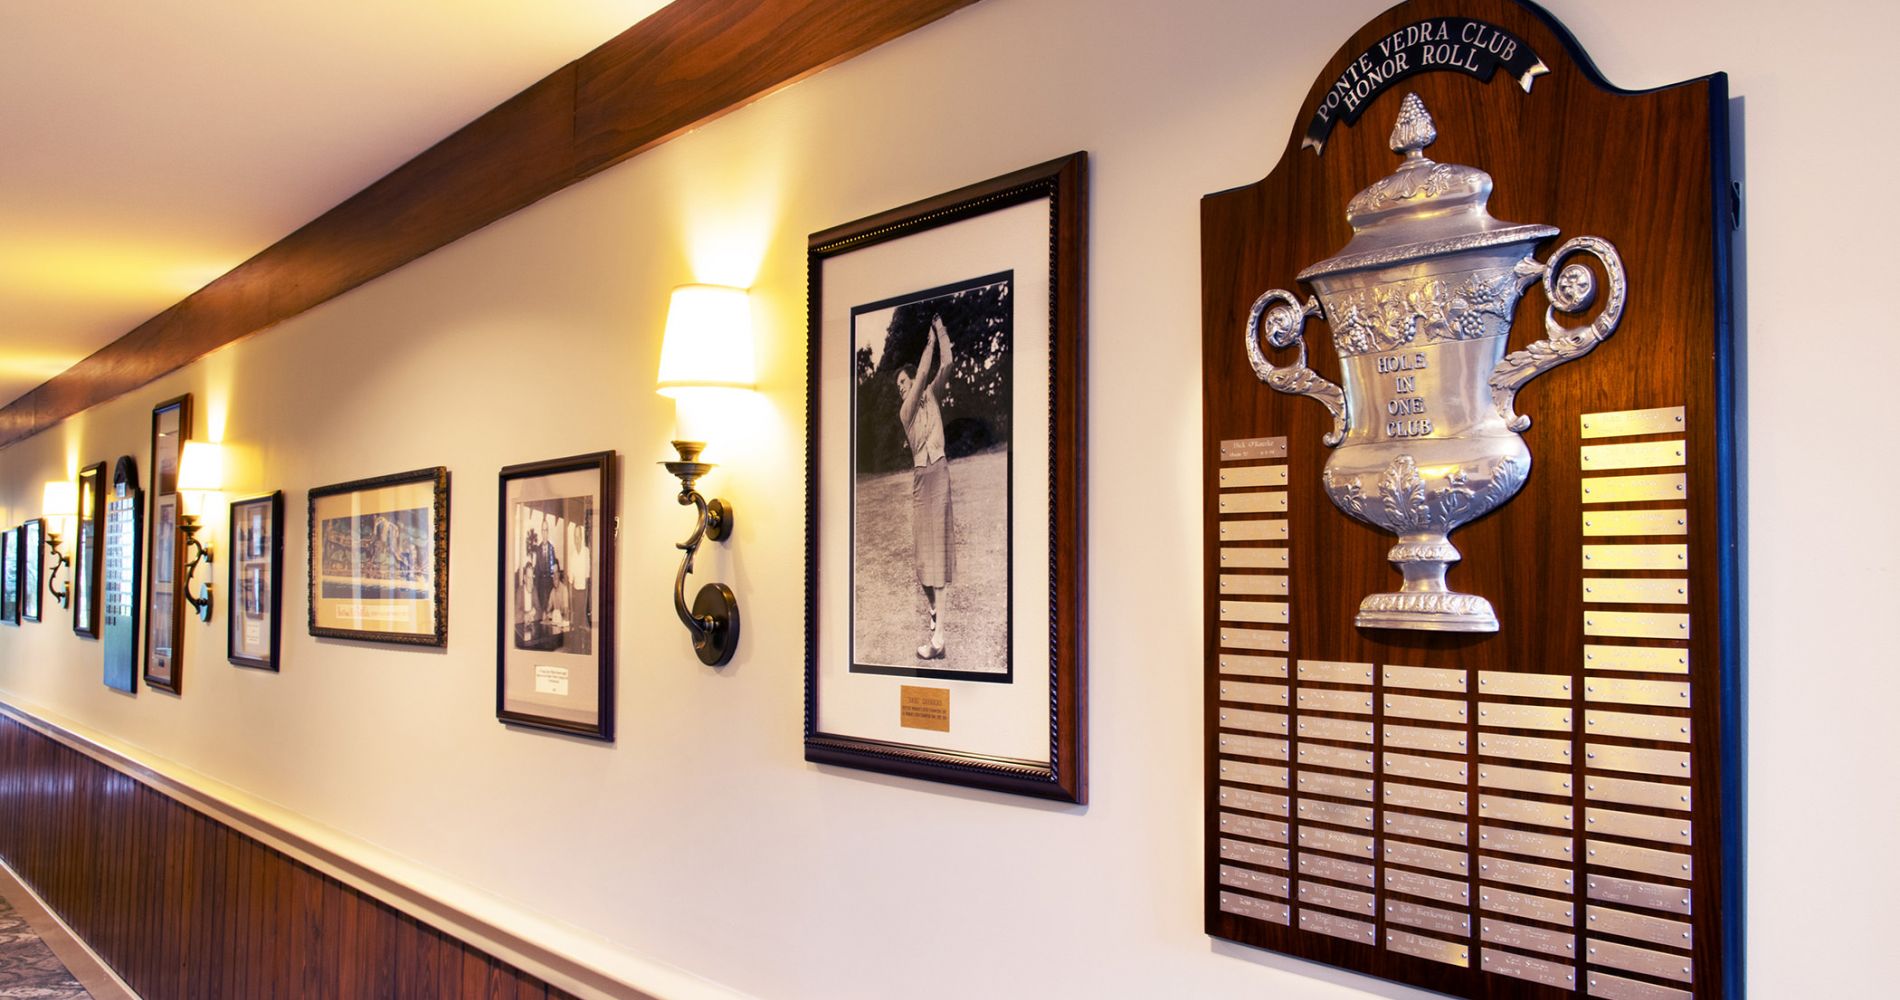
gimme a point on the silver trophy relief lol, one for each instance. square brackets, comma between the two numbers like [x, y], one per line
[1420, 302]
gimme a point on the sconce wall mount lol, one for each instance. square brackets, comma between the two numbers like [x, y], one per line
[713, 618]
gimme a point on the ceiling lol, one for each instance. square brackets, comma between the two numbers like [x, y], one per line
[151, 146]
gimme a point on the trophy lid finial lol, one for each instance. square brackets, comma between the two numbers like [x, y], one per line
[1414, 129]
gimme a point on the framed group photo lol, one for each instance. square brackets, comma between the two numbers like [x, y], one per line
[256, 581]
[379, 559]
[946, 513]
[554, 643]
[88, 527]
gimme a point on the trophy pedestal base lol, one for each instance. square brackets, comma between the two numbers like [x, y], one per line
[1442, 611]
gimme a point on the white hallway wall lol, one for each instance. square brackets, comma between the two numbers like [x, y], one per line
[701, 838]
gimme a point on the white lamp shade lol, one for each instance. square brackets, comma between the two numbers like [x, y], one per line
[61, 500]
[708, 341]
[201, 468]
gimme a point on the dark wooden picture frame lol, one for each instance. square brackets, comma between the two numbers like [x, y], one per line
[255, 588]
[10, 576]
[32, 566]
[88, 533]
[164, 645]
[436, 559]
[925, 700]
[534, 577]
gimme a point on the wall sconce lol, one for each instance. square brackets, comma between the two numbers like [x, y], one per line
[59, 505]
[200, 471]
[707, 350]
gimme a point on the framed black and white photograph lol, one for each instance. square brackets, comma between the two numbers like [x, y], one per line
[10, 576]
[379, 559]
[946, 387]
[255, 592]
[32, 579]
[88, 528]
[554, 662]
[165, 562]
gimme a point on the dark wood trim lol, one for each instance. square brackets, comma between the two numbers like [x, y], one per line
[685, 65]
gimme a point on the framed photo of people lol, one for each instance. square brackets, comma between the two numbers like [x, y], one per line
[256, 581]
[379, 559]
[32, 579]
[164, 594]
[554, 652]
[86, 568]
[945, 517]
[10, 576]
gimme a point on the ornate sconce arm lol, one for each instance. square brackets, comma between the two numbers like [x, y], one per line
[713, 617]
[200, 603]
[60, 594]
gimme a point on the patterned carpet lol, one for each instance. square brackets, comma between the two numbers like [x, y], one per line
[28, 970]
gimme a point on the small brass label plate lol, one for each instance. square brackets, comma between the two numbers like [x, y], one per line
[1398, 765]
[1245, 798]
[1607, 987]
[1336, 898]
[1345, 758]
[1512, 684]
[1406, 706]
[1250, 853]
[1530, 748]
[1436, 859]
[1254, 638]
[1643, 860]
[1336, 813]
[1252, 746]
[1524, 779]
[1601, 523]
[1523, 904]
[1629, 423]
[1660, 694]
[1666, 557]
[1422, 738]
[1253, 774]
[1667, 728]
[1316, 700]
[1430, 887]
[1535, 970]
[1272, 831]
[1558, 880]
[1337, 869]
[1346, 730]
[1341, 785]
[1321, 839]
[924, 708]
[1649, 895]
[1425, 678]
[1445, 831]
[1253, 722]
[1662, 763]
[1630, 958]
[1633, 455]
[1429, 917]
[1264, 612]
[1259, 529]
[1674, 933]
[1635, 624]
[1550, 942]
[1509, 716]
[1647, 659]
[1498, 807]
[1537, 845]
[1629, 489]
[1253, 881]
[1253, 694]
[1244, 665]
[1653, 794]
[1321, 922]
[1632, 590]
[1244, 476]
[1431, 949]
[1449, 800]
[1335, 672]
[1265, 502]
[1259, 909]
[1242, 557]
[1252, 449]
[1662, 829]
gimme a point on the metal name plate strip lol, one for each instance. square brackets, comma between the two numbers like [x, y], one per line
[1560, 880]
[1254, 638]
[1420, 738]
[1444, 831]
[1252, 449]
[1430, 918]
[1629, 423]
[1254, 694]
[1398, 765]
[1349, 730]
[1253, 881]
[1344, 786]
[1663, 763]
[1336, 813]
[1534, 748]
[1609, 987]
[1348, 758]
[1246, 476]
[1646, 659]
[1425, 678]
[1335, 672]
[1252, 746]
[1632, 590]
[1321, 866]
[1336, 898]
[1667, 864]
[1633, 455]
[1268, 584]
[1526, 906]
[1321, 839]
[1524, 779]
[1512, 684]
[1257, 722]
[1431, 949]
[1604, 523]
[1259, 909]
[1635, 624]
[1668, 898]
[1264, 612]
[1437, 859]
[1405, 706]
[1321, 922]
[1436, 799]
[1508, 716]
[1537, 845]
[1270, 502]
[1240, 557]
[1596, 557]
[1535, 970]
[1316, 700]
[1625, 791]
[1244, 665]
[1493, 931]
[1430, 887]
[1248, 852]
[1667, 728]
[1630, 958]
[1252, 801]
[1272, 831]
[1656, 930]
[1662, 829]
[1625, 489]
[1521, 811]
[1253, 774]
[1661, 694]
[1270, 529]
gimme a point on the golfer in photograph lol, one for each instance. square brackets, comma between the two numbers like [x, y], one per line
[930, 477]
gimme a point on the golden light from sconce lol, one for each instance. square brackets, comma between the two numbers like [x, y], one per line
[707, 347]
[59, 506]
[200, 472]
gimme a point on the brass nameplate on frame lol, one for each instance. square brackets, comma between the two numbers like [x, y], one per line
[1469, 522]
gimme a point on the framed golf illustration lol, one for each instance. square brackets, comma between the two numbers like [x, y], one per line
[554, 652]
[945, 509]
[256, 584]
[379, 559]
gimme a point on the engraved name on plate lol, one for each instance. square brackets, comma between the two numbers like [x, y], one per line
[1436, 859]
[1252, 721]
[1245, 665]
[1253, 774]
[1535, 970]
[1425, 828]
[1259, 909]
[1248, 852]
[1345, 758]
[1418, 797]
[1253, 694]
[1334, 897]
[1254, 881]
[1425, 678]
[1337, 869]
[1647, 861]
[1403, 706]
[1634, 892]
[1321, 922]
[1527, 874]
[1520, 685]
[1630, 958]
[1522, 904]
[1345, 730]
[1420, 738]
[1417, 945]
[1428, 886]
[1536, 845]
[1666, 728]
[1252, 449]
[1524, 779]
[1498, 807]
[1334, 672]
[1430, 918]
[1528, 748]
[1607, 987]
[1550, 942]
[1322, 700]
[1321, 839]
[1270, 803]
[1254, 638]
[1399, 765]
[1252, 746]
[1341, 785]
[1642, 927]
[1629, 792]
[1239, 825]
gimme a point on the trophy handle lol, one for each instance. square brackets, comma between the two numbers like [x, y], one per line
[1285, 325]
[1571, 289]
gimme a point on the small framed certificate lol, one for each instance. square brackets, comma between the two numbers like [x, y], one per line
[256, 582]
